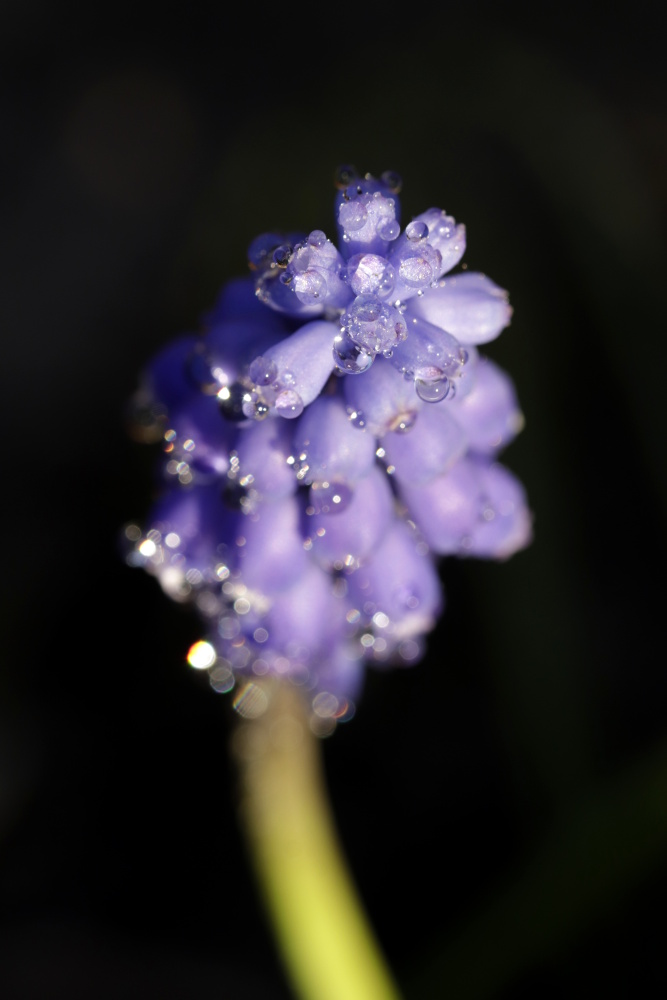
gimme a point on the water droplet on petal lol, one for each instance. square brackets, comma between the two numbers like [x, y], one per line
[389, 230]
[281, 256]
[310, 286]
[263, 371]
[330, 498]
[230, 400]
[352, 216]
[357, 418]
[345, 175]
[349, 357]
[289, 404]
[416, 230]
[317, 238]
[403, 422]
[432, 392]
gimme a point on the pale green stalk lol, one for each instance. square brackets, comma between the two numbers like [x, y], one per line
[327, 946]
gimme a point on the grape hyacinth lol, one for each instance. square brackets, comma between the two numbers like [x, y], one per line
[329, 432]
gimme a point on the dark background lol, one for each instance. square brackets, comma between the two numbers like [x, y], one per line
[504, 804]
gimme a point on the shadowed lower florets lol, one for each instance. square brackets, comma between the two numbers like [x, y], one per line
[331, 430]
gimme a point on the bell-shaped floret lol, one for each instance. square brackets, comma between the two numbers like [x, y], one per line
[426, 449]
[367, 217]
[328, 448]
[470, 306]
[430, 356]
[313, 273]
[416, 262]
[383, 400]
[489, 414]
[305, 622]
[269, 256]
[341, 538]
[262, 449]
[271, 555]
[445, 236]
[476, 508]
[397, 591]
[190, 541]
[291, 374]
[198, 436]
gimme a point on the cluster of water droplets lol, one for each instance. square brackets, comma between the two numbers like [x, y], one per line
[307, 543]
[365, 285]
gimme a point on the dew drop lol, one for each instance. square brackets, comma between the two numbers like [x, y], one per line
[349, 357]
[317, 238]
[357, 418]
[310, 286]
[221, 679]
[416, 230]
[330, 498]
[263, 371]
[345, 175]
[403, 422]
[432, 392]
[230, 400]
[281, 256]
[289, 404]
[352, 216]
[389, 230]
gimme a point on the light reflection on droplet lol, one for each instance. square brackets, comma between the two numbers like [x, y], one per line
[172, 540]
[201, 655]
[367, 640]
[409, 650]
[174, 584]
[260, 634]
[208, 604]
[250, 701]
[221, 679]
[228, 627]
[353, 616]
[242, 605]
[380, 619]
[325, 704]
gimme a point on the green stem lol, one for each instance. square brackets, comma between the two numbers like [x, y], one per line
[327, 946]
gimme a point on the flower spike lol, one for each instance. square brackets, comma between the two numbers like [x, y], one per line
[329, 432]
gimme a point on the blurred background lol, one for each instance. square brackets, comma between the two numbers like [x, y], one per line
[504, 804]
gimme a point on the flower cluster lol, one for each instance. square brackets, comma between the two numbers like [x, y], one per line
[328, 433]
